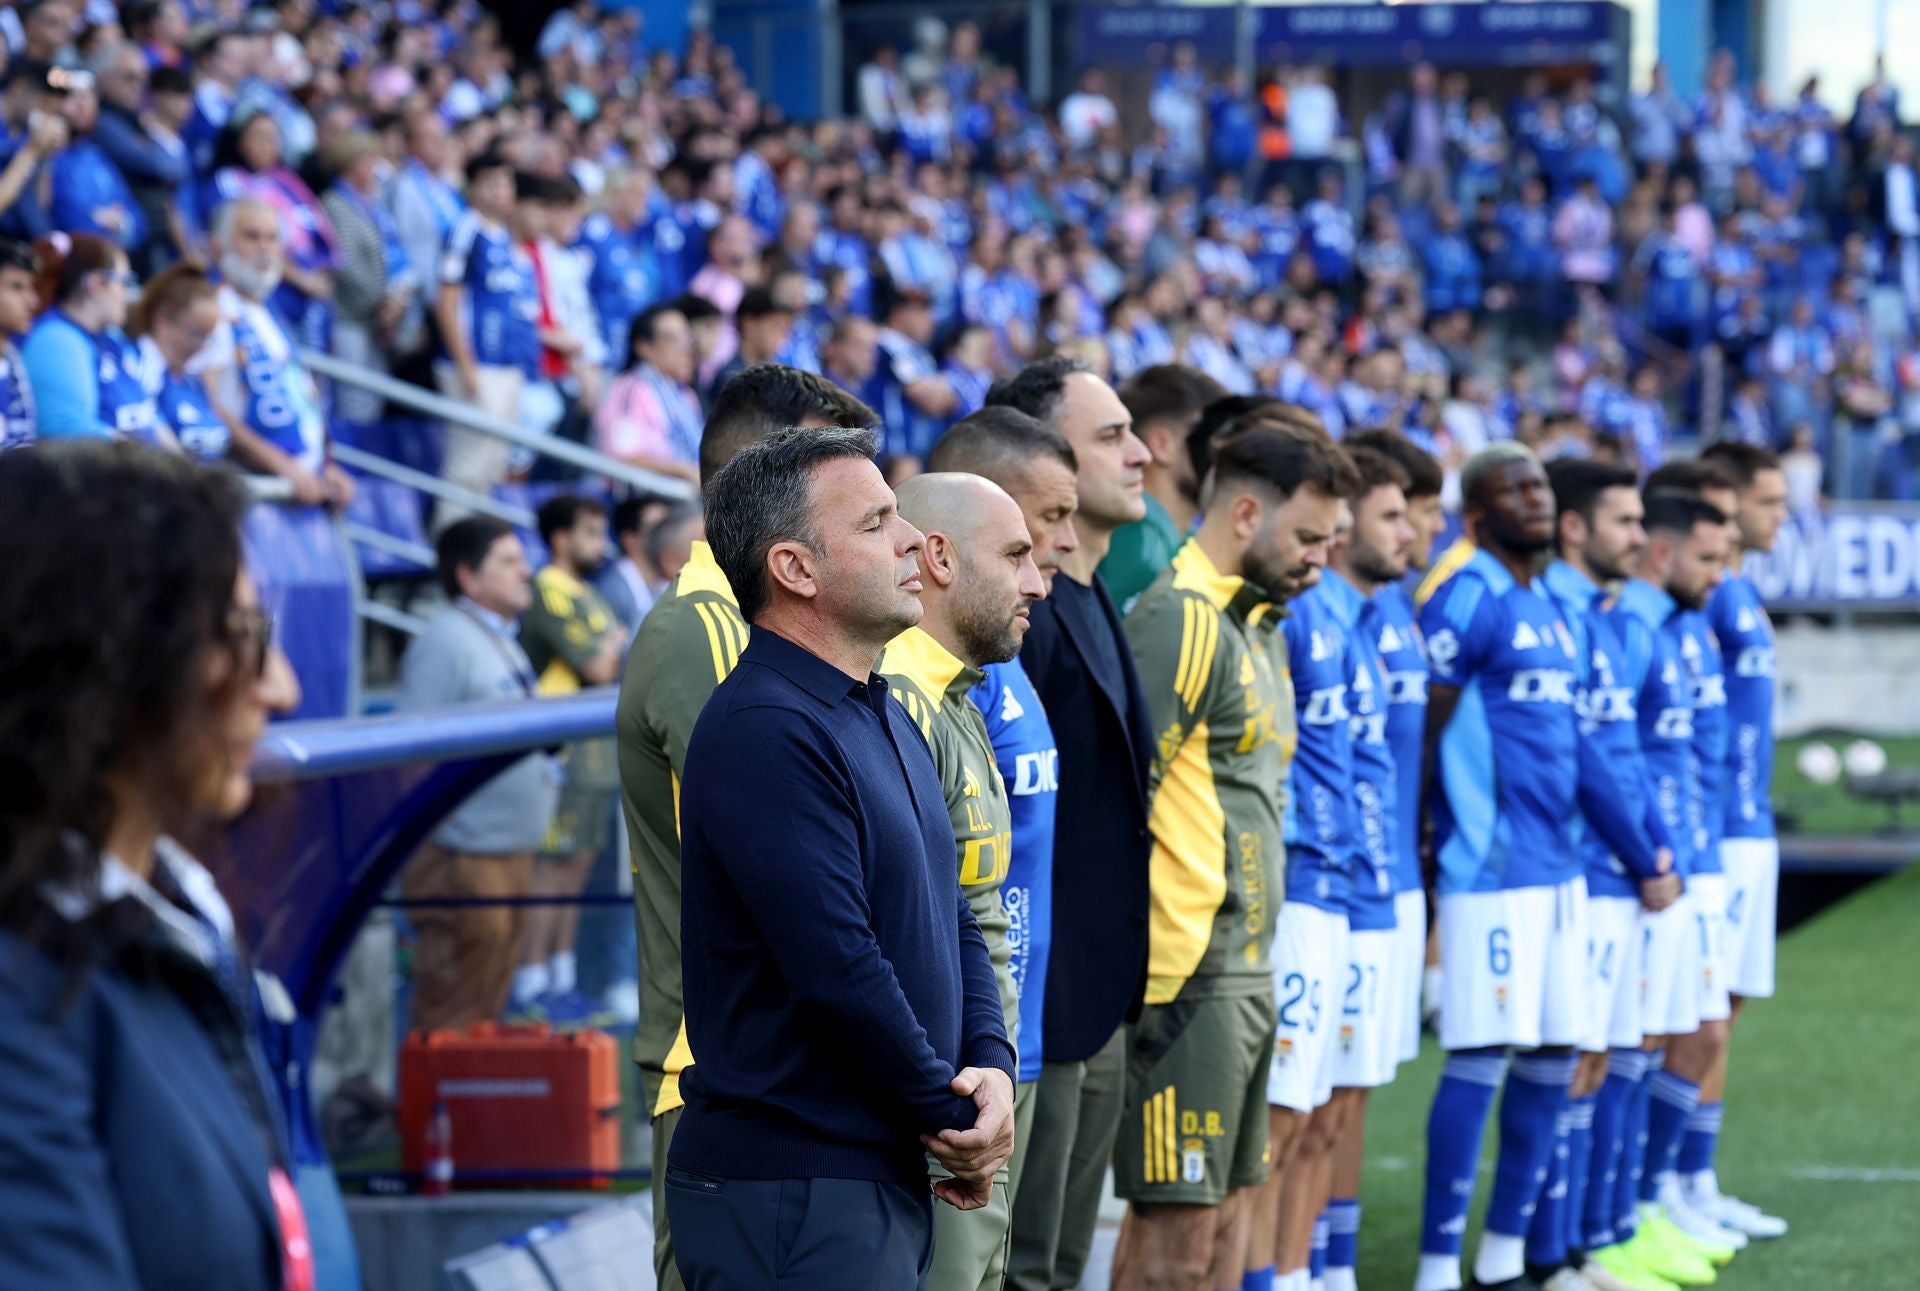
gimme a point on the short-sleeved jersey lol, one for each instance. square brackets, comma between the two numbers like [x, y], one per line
[1222, 715]
[1319, 826]
[16, 399]
[1645, 616]
[1616, 839]
[1700, 656]
[1451, 562]
[502, 297]
[1023, 746]
[1388, 623]
[935, 688]
[1376, 789]
[1745, 633]
[686, 646]
[1503, 816]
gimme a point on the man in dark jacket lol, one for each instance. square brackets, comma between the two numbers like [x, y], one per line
[1080, 665]
[838, 992]
[153, 172]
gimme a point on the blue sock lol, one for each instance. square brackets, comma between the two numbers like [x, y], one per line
[1317, 1254]
[1612, 1110]
[1454, 1127]
[1343, 1233]
[1674, 1098]
[1547, 1232]
[1579, 1170]
[1627, 1188]
[1703, 1136]
[1529, 1112]
[1258, 1279]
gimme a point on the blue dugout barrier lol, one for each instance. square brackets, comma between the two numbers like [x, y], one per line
[309, 581]
[342, 805]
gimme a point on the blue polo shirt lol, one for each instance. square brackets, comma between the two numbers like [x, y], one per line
[835, 980]
[1023, 748]
[1507, 648]
[1388, 623]
[1664, 698]
[1376, 791]
[1745, 633]
[1700, 657]
[1319, 829]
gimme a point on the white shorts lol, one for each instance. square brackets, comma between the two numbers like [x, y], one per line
[1706, 954]
[1409, 970]
[1669, 1003]
[1613, 974]
[1515, 967]
[1366, 1050]
[1753, 904]
[1309, 969]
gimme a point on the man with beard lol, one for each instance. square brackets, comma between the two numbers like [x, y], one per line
[1165, 402]
[978, 582]
[822, 930]
[1334, 939]
[1502, 753]
[253, 368]
[1194, 1142]
[1627, 854]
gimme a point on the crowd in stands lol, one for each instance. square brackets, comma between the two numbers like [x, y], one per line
[588, 241]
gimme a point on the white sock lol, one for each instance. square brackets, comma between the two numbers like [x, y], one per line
[1298, 1280]
[1438, 1273]
[1340, 1279]
[1702, 1185]
[1317, 1284]
[530, 982]
[1501, 1258]
[564, 968]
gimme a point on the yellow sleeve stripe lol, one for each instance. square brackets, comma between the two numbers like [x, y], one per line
[1199, 636]
[723, 641]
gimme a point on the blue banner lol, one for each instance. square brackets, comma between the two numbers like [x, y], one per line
[1363, 35]
[1858, 556]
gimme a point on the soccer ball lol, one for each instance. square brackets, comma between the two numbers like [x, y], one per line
[1865, 759]
[1819, 763]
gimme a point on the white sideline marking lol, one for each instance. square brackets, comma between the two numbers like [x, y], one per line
[1856, 1174]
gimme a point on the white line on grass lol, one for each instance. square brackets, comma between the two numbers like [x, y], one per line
[1856, 1174]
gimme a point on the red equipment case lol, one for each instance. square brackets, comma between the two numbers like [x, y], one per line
[521, 1098]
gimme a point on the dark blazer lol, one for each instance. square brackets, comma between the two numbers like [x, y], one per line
[136, 1127]
[1097, 966]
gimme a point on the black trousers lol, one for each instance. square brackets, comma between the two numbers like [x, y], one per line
[829, 1234]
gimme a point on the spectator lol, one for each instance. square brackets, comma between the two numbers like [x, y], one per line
[1660, 121]
[465, 955]
[1804, 470]
[766, 328]
[1416, 127]
[86, 376]
[655, 538]
[19, 302]
[1452, 267]
[425, 203]
[883, 95]
[1897, 208]
[488, 313]
[1087, 112]
[178, 313]
[85, 191]
[377, 309]
[572, 641]
[1583, 230]
[253, 367]
[1313, 126]
[147, 155]
[969, 370]
[625, 278]
[249, 162]
[125, 977]
[851, 356]
[913, 398]
[650, 416]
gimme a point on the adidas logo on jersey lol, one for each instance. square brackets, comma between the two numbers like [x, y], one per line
[1391, 640]
[1525, 638]
[1322, 646]
[1010, 709]
[1746, 620]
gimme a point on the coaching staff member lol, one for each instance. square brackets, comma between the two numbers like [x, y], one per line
[837, 989]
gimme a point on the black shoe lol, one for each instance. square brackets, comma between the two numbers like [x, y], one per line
[1522, 1283]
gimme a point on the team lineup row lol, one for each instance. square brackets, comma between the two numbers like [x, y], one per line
[1198, 844]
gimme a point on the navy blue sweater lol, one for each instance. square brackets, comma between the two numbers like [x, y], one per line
[834, 978]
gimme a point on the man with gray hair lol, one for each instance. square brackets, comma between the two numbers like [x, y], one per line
[252, 365]
[823, 932]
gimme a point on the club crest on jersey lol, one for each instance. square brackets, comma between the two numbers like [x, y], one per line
[1193, 1162]
[1346, 1037]
[1443, 647]
[1500, 998]
[1282, 1051]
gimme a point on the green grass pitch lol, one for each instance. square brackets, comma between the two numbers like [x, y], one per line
[1822, 1124]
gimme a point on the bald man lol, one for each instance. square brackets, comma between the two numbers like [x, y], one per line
[978, 581]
